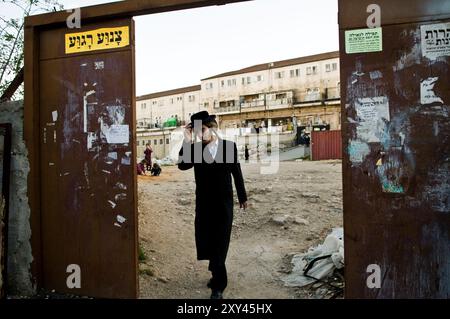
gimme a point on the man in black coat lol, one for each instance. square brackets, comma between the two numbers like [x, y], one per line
[214, 161]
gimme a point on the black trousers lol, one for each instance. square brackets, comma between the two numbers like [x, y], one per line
[219, 278]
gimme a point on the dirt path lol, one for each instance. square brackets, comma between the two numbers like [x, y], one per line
[289, 212]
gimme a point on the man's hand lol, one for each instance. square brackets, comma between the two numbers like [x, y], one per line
[244, 205]
[187, 134]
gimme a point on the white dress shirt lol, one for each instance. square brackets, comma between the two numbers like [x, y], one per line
[212, 147]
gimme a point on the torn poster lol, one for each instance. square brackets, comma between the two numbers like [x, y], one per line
[373, 113]
[112, 155]
[118, 134]
[427, 95]
[126, 160]
[90, 140]
[358, 151]
[435, 39]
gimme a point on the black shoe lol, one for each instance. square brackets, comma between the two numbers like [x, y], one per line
[216, 294]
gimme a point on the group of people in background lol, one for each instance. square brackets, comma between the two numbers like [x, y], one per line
[146, 164]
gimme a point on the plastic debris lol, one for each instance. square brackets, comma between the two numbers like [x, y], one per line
[319, 262]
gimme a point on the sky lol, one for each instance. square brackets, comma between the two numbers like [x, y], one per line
[178, 49]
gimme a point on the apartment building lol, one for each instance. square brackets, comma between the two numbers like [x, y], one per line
[273, 94]
[284, 96]
[174, 106]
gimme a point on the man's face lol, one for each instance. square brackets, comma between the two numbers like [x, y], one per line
[206, 135]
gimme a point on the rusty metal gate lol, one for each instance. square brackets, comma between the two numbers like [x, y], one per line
[79, 129]
[326, 145]
[87, 162]
[396, 134]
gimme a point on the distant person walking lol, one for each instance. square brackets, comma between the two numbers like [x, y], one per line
[148, 156]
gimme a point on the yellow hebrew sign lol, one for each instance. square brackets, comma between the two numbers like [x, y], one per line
[99, 39]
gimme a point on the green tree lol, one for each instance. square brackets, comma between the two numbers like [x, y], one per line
[12, 36]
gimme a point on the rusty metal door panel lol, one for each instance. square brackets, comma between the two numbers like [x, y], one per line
[396, 166]
[326, 145]
[88, 176]
[353, 13]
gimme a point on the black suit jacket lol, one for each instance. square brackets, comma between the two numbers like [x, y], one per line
[214, 195]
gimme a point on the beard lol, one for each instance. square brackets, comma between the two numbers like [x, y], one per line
[207, 137]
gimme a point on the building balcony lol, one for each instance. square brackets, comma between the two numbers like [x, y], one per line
[227, 109]
[253, 106]
[254, 103]
[279, 103]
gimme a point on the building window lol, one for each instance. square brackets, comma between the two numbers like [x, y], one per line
[209, 85]
[154, 102]
[222, 83]
[243, 81]
[249, 79]
[311, 70]
[155, 142]
[279, 75]
[206, 104]
[167, 141]
[331, 67]
[295, 73]
[161, 103]
[161, 141]
[260, 78]
[171, 101]
[191, 98]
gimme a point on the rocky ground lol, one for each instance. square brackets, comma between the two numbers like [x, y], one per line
[288, 213]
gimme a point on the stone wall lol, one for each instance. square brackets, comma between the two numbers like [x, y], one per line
[19, 231]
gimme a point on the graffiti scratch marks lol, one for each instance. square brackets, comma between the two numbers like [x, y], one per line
[113, 205]
[121, 219]
[437, 190]
[85, 106]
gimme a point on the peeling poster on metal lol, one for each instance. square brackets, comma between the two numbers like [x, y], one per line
[373, 113]
[118, 134]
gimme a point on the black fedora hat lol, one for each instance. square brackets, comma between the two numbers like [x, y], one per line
[203, 116]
